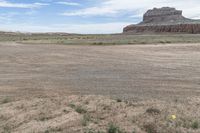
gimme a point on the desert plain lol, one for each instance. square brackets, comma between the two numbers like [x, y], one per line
[92, 84]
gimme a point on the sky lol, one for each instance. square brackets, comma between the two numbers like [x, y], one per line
[83, 16]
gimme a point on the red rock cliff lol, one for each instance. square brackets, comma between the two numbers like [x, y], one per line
[164, 20]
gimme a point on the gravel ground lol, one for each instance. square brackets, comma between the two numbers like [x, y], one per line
[165, 72]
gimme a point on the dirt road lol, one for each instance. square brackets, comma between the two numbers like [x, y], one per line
[140, 72]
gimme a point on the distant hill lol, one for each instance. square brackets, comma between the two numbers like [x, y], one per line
[165, 19]
[29, 33]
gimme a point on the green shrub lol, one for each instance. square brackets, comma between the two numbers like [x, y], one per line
[6, 100]
[195, 125]
[113, 129]
[80, 110]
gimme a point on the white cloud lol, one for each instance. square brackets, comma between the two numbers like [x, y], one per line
[68, 3]
[4, 3]
[91, 11]
[110, 7]
[7, 17]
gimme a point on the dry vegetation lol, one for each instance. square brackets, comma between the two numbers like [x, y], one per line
[98, 114]
[117, 39]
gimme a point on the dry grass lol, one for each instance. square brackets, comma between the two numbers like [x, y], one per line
[53, 114]
[117, 39]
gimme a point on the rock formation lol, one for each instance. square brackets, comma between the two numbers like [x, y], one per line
[164, 19]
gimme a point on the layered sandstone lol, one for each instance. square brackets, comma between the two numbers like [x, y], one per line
[165, 19]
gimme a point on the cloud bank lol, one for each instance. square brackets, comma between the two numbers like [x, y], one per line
[137, 7]
[8, 4]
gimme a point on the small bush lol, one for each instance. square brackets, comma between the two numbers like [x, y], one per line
[80, 110]
[6, 129]
[113, 129]
[142, 42]
[65, 111]
[195, 125]
[44, 118]
[92, 131]
[46, 131]
[98, 43]
[72, 105]
[6, 100]
[153, 111]
[86, 119]
[119, 100]
[162, 41]
[53, 130]
[168, 42]
[86, 102]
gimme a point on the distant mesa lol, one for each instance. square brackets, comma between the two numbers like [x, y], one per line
[165, 19]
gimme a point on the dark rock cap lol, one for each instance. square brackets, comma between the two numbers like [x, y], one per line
[165, 14]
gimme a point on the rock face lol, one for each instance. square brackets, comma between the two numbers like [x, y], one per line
[164, 19]
[181, 28]
[160, 15]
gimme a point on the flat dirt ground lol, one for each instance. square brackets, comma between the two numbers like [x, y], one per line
[52, 78]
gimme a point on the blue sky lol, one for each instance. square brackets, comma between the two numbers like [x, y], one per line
[82, 16]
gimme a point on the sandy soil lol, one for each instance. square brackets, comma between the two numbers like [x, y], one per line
[43, 86]
[98, 114]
